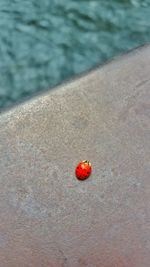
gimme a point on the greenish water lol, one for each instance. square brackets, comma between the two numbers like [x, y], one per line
[43, 42]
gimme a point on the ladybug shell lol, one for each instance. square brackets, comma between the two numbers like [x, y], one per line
[83, 170]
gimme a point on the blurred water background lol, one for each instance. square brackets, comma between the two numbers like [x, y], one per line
[43, 42]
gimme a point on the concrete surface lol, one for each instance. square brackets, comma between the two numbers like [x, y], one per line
[47, 217]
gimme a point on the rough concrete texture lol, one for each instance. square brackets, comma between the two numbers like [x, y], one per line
[47, 217]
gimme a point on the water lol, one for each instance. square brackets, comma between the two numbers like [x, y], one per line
[47, 41]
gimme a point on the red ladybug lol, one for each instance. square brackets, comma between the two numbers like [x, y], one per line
[83, 170]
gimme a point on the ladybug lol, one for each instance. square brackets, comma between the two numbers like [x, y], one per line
[83, 170]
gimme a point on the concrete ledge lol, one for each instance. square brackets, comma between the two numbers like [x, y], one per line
[47, 217]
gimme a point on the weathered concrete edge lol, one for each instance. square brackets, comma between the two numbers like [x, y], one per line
[66, 84]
